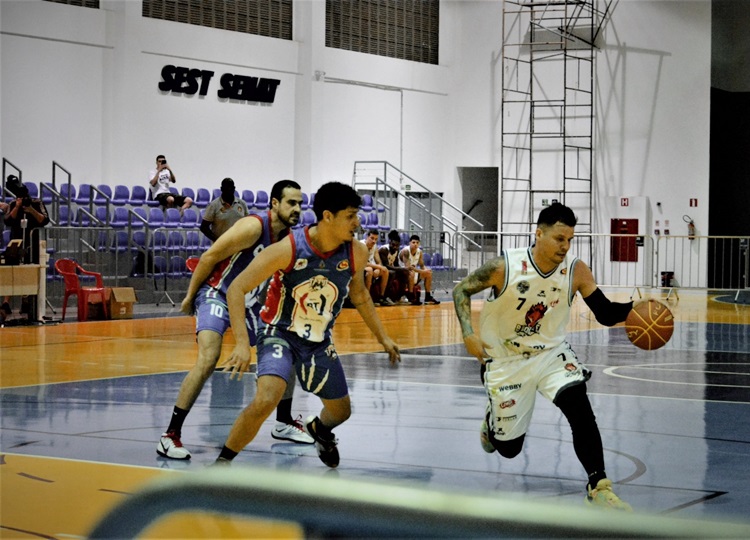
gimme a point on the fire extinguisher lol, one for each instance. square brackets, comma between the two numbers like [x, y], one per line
[691, 226]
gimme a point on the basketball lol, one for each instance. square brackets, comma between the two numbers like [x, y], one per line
[649, 325]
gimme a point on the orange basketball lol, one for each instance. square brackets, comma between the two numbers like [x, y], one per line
[649, 325]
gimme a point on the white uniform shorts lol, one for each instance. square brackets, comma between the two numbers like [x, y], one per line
[512, 384]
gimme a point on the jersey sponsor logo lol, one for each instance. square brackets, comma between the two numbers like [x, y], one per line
[300, 264]
[507, 387]
[506, 418]
[524, 267]
[507, 404]
[343, 265]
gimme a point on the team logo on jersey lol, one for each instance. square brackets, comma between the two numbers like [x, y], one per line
[533, 317]
[343, 265]
[523, 287]
[300, 264]
[524, 267]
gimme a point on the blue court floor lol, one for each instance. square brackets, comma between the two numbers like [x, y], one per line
[675, 423]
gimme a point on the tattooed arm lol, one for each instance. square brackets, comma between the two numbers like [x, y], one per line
[491, 274]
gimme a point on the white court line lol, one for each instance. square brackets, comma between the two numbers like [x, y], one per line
[611, 371]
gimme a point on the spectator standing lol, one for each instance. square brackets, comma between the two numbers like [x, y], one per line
[25, 216]
[223, 212]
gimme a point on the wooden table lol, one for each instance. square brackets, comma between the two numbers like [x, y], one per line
[23, 280]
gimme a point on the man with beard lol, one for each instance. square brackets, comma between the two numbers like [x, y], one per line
[206, 296]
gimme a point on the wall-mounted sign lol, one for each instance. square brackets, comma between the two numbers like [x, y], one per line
[182, 80]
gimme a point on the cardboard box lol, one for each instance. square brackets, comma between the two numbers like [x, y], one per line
[120, 301]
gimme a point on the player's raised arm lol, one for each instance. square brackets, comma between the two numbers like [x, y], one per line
[275, 257]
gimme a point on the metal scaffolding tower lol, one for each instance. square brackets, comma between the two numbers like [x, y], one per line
[547, 108]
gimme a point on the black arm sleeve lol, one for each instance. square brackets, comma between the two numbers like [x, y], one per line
[606, 312]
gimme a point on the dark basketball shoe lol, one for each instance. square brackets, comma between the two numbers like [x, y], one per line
[326, 447]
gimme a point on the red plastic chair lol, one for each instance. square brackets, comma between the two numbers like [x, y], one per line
[192, 263]
[69, 270]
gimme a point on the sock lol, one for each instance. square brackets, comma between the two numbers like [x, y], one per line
[284, 411]
[321, 429]
[227, 454]
[178, 418]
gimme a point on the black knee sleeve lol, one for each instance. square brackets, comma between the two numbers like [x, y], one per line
[574, 404]
[587, 442]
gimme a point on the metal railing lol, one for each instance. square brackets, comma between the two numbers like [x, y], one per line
[634, 261]
[394, 190]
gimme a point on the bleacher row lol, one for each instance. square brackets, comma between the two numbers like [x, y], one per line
[103, 204]
[150, 241]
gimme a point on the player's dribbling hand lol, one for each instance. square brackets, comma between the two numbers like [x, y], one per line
[238, 362]
[392, 349]
[476, 347]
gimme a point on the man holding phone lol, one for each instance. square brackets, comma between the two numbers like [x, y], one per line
[160, 178]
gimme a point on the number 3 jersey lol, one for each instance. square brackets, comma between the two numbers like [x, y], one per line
[530, 313]
[307, 296]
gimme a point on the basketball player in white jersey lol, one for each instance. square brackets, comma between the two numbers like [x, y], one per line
[522, 347]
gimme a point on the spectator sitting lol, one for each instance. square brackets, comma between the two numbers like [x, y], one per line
[375, 272]
[411, 257]
[403, 277]
[160, 178]
[223, 212]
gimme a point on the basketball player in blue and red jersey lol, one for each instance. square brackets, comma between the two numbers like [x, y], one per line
[206, 296]
[522, 335]
[314, 269]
